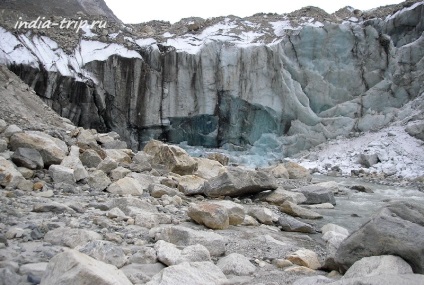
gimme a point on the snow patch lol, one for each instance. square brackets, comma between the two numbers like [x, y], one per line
[93, 50]
[390, 17]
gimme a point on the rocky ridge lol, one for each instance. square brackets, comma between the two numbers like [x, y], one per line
[79, 202]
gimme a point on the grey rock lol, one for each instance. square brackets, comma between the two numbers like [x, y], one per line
[169, 254]
[297, 211]
[3, 125]
[316, 194]
[182, 236]
[296, 171]
[236, 264]
[290, 224]
[378, 265]
[105, 251]
[8, 276]
[72, 161]
[236, 212]
[53, 207]
[262, 214]
[73, 267]
[191, 184]
[334, 228]
[9, 175]
[388, 279]
[52, 150]
[107, 165]
[192, 273]
[36, 270]
[62, 174]
[313, 280]
[211, 215]
[119, 173]
[3, 145]
[237, 182]
[71, 237]
[126, 186]
[279, 196]
[98, 180]
[90, 158]
[158, 190]
[11, 130]
[130, 204]
[399, 221]
[28, 157]
[141, 273]
[416, 129]
[368, 160]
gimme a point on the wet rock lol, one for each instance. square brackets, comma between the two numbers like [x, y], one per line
[71, 237]
[237, 182]
[169, 254]
[399, 221]
[316, 194]
[236, 264]
[190, 273]
[90, 158]
[73, 267]
[126, 186]
[361, 188]
[297, 211]
[28, 157]
[182, 236]
[98, 180]
[174, 158]
[105, 251]
[378, 265]
[62, 174]
[305, 257]
[297, 171]
[290, 224]
[209, 214]
[9, 175]
[52, 150]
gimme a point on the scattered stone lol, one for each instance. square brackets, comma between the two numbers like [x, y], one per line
[236, 264]
[316, 194]
[305, 257]
[211, 215]
[126, 186]
[73, 267]
[290, 224]
[182, 236]
[235, 211]
[119, 173]
[98, 180]
[9, 175]
[378, 265]
[169, 254]
[190, 184]
[90, 158]
[362, 188]
[174, 158]
[105, 251]
[52, 150]
[381, 235]
[297, 211]
[262, 214]
[236, 181]
[297, 171]
[158, 190]
[280, 195]
[220, 157]
[28, 157]
[62, 174]
[208, 168]
[147, 220]
[107, 165]
[190, 273]
[71, 237]
[368, 160]
[52, 207]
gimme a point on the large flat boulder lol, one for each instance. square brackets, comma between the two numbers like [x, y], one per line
[316, 194]
[396, 229]
[236, 181]
[72, 267]
[52, 150]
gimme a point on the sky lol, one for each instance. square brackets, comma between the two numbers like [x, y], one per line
[137, 11]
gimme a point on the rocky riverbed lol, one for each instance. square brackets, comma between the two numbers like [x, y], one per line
[79, 207]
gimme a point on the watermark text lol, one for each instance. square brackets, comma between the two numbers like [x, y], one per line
[42, 23]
